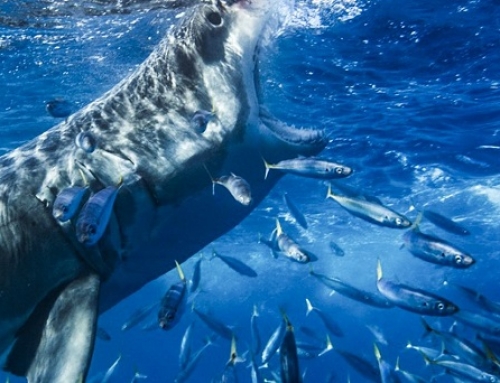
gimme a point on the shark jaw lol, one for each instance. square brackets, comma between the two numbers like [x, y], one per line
[164, 212]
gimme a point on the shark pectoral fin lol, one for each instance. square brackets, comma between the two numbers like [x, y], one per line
[288, 140]
[56, 346]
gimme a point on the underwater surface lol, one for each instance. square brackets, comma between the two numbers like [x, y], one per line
[409, 95]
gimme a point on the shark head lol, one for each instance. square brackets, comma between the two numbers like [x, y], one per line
[193, 105]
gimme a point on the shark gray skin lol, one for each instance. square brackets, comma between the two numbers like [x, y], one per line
[52, 287]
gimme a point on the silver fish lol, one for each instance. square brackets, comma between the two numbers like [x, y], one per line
[173, 302]
[332, 326]
[486, 324]
[237, 186]
[186, 372]
[370, 210]
[386, 371]
[95, 214]
[111, 370]
[413, 299]
[289, 362]
[214, 324]
[289, 248]
[138, 316]
[294, 211]
[195, 280]
[185, 348]
[375, 300]
[466, 371]
[236, 265]
[273, 343]
[68, 202]
[445, 223]
[436, 250]
[310, 167]
[254, 330]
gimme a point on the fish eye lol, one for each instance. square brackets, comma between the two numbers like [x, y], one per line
[214, 18]
[91, 229]
[339, 170]
[440, 306]
[398, 221]
[458, 259]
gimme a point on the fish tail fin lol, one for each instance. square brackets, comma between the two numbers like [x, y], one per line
[279, 230]
[427, 328]
[328, 347]
[255, 313]
[268, 166]
[417, 221]
[328, 191]
[376, 351]
[396, 367]
[180, 271]
[379, 270]
[310, 307]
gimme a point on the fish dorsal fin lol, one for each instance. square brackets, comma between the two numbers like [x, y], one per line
[63, 325]
[180, 271]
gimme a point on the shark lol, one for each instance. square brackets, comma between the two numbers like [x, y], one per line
[140, 138]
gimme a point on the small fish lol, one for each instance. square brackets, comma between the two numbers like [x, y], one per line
[200, 120]
[386, 371]
[237, 186]
[412, 299]
[427, 352]
[464, 349]
[480, 300]
[59, 108]
[103, 334]
[361, 365]
[289, 248]
[412, 378]
[111, 370]
[68, 202]
[294, 211]
[138, 376]
[273, 343]
[214, 324]
[229, 373]
[185, 348]
[195, 280]
[255, 334]
[310, 167]
[138, 316]
[186, 372]
[173, 302]
[289, 362]
[336, 249]
[236, 265]
[436, 250]
[445, 223]
[375, 300]
[466, 371]
[95, 214]
[370, 210]
[486, 324]
[85, 141]
[333, 327]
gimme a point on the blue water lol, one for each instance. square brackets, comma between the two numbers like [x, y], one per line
[408, 93]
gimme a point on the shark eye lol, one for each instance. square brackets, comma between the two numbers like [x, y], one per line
[214, 18]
